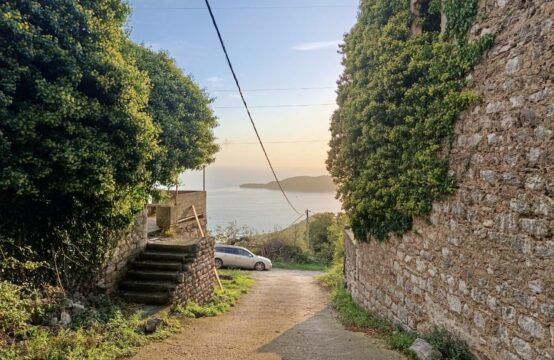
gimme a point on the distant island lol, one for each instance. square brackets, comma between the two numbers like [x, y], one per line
[323, 183]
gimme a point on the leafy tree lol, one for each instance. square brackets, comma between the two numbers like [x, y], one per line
[180, 110]
[321, 241]
[398, 99]
[75, 141]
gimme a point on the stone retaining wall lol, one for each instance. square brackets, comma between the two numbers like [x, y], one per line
[199, 279]
[126, 250]
[482, 265]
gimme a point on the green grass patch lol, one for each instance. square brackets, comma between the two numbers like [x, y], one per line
[235, 283]
[105, 330]
[299, 266]
[355, 318]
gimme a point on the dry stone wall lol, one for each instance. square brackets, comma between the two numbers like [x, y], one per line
[199, 279]
[482, 264]
[130, 245]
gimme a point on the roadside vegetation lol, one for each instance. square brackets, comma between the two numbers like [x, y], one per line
[291, 247]
[355, 318]
[32, 324]
[235, 283]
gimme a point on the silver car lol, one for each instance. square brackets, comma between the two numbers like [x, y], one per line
[239, 257]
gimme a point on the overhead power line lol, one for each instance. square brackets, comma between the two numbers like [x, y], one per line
[276, 89]
[276, 142]
[275, 106]
[248, 7]
[246, 106]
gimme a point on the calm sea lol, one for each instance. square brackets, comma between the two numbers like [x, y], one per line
[259, 209]
[263, 210]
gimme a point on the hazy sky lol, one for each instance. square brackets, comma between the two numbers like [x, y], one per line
[273, 44]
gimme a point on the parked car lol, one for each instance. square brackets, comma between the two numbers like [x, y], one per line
[239, 257]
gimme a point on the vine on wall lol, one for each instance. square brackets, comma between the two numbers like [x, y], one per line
[398, 98]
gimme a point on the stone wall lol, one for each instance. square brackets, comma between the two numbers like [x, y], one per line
[169, 214]
[199, 279]
[482, 264]
[127, 249]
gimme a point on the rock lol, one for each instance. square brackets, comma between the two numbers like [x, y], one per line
[53, 321]
[152, 325]
[77, 308]
[65, 318]
[513, 65]
[424, 351]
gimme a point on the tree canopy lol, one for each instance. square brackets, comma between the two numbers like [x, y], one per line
[398, 99]
[85, 130]
[180, 110]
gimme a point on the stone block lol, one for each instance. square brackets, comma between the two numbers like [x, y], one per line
[531, 326]
[523, 348]
[424, 351]
[454, 303]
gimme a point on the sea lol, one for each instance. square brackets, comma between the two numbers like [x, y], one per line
[260, 210]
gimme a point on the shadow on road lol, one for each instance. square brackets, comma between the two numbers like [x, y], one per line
[321, 337]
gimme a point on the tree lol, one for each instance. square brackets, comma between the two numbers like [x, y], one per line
[321, 241]
[180, 110]
[75, 141]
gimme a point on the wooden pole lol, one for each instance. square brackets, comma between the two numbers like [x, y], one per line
[204, 178]
[198, 221]
[202, 233]
[308, 226]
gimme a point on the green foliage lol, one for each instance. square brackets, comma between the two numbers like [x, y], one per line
[321, 241]
[310, 266]
[105, 331]
[449, 347]
[356, 318]
[88, 123]
[398, 98]
[14, 308]
[235, 283]
[180, 110]
[74, 139]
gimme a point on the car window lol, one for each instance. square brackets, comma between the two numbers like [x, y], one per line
[223, 249]
[243, 253]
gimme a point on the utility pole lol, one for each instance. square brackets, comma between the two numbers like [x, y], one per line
[204, 178]
[308, 227]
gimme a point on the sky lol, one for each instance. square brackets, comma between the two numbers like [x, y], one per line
[273, 44]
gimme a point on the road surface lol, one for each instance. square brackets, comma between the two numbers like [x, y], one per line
[286, 316]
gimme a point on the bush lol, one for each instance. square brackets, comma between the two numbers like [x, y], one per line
[105, 330]
[14, 308]
[450, 347]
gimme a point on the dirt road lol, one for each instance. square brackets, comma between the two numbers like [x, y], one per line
[285, 316]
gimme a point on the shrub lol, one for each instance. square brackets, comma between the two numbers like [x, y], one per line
[14, 308]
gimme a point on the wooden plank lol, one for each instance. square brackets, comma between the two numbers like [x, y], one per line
[198, 221]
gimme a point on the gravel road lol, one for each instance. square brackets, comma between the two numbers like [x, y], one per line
[286, 315]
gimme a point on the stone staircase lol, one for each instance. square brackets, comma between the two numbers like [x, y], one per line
[156, 272]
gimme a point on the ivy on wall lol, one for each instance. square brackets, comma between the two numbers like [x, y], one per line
[398, 99]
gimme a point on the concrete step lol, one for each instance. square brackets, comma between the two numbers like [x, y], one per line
[175, 249]
[158, 265]
[153, 275]
[151, 298]
[166, 256]
[147, 286]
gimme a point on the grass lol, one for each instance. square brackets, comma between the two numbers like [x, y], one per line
[235, 283]
[355, 318]
[299, 266]
[105, 330]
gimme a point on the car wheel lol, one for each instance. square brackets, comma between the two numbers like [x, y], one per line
[260, 266]
[218, 263]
